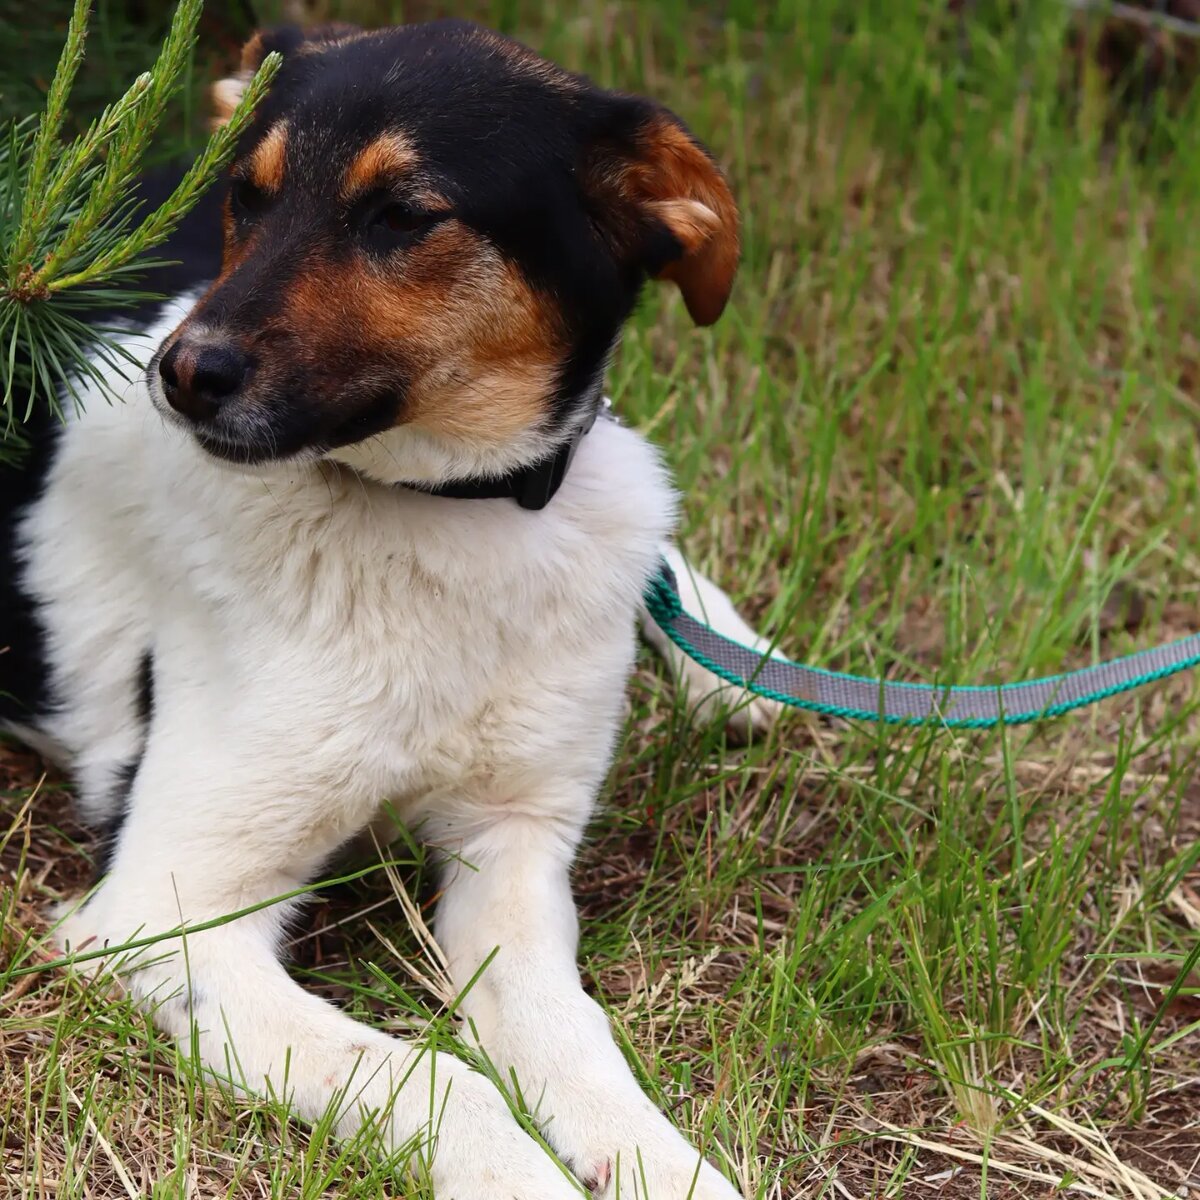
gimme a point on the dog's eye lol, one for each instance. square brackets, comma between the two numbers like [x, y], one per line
[399, 218]
[395, 224]
[248, 199]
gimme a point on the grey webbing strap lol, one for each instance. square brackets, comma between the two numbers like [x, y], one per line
[907, 703]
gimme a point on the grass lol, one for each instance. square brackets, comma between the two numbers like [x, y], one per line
[947, 428]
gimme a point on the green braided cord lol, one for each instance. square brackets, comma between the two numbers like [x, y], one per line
[664, 605]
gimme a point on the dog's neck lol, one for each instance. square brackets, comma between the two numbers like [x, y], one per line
[529, 474]
[532, 487]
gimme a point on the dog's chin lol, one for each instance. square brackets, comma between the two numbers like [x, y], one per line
[246, 457]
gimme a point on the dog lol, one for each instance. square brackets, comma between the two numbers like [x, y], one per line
[365, 536]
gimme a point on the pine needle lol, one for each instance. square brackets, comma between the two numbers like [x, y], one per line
[71, 236]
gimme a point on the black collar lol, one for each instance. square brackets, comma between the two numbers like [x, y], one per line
[532, 487]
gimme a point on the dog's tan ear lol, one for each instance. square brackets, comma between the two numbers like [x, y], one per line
[666, 207]
[286, 39]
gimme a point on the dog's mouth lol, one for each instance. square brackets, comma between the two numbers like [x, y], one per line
[245, 439]
[285, 426]
[254, 442]
[248, 454]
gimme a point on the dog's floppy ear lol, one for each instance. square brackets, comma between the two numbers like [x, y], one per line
[286, 39]
[664, 205]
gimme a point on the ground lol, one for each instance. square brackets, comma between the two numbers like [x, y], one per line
[947, 429]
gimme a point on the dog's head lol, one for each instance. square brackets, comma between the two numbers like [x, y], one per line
[432, 238]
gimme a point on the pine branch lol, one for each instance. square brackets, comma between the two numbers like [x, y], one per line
[71, 237]
[49, 128]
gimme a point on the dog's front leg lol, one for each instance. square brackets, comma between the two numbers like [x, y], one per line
[213, 829]
[507, 893]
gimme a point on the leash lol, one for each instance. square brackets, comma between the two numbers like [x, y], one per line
[861, 699]
[830, 692]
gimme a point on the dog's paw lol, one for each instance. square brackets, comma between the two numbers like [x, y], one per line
[626, 1149]
[479, 1152]
[644, 1170]
[469, 1178]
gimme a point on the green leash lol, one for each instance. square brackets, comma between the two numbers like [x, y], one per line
[861, 699]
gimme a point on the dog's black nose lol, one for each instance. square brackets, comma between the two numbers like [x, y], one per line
[198, 380]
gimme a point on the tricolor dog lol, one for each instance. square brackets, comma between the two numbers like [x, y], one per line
[363, 539]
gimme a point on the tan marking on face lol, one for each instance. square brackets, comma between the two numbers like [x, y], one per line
[495, 408]
[268, 161]
[479, 348]
[386, 159]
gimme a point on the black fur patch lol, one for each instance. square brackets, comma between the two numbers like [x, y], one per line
[107, 838]
[106, 842]
[24, 678]
[145, 692]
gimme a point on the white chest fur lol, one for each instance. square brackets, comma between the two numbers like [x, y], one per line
[398, 643]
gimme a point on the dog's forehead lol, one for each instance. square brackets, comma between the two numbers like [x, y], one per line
[454, 96]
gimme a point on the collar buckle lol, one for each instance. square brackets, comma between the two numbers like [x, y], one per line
[534, 487]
